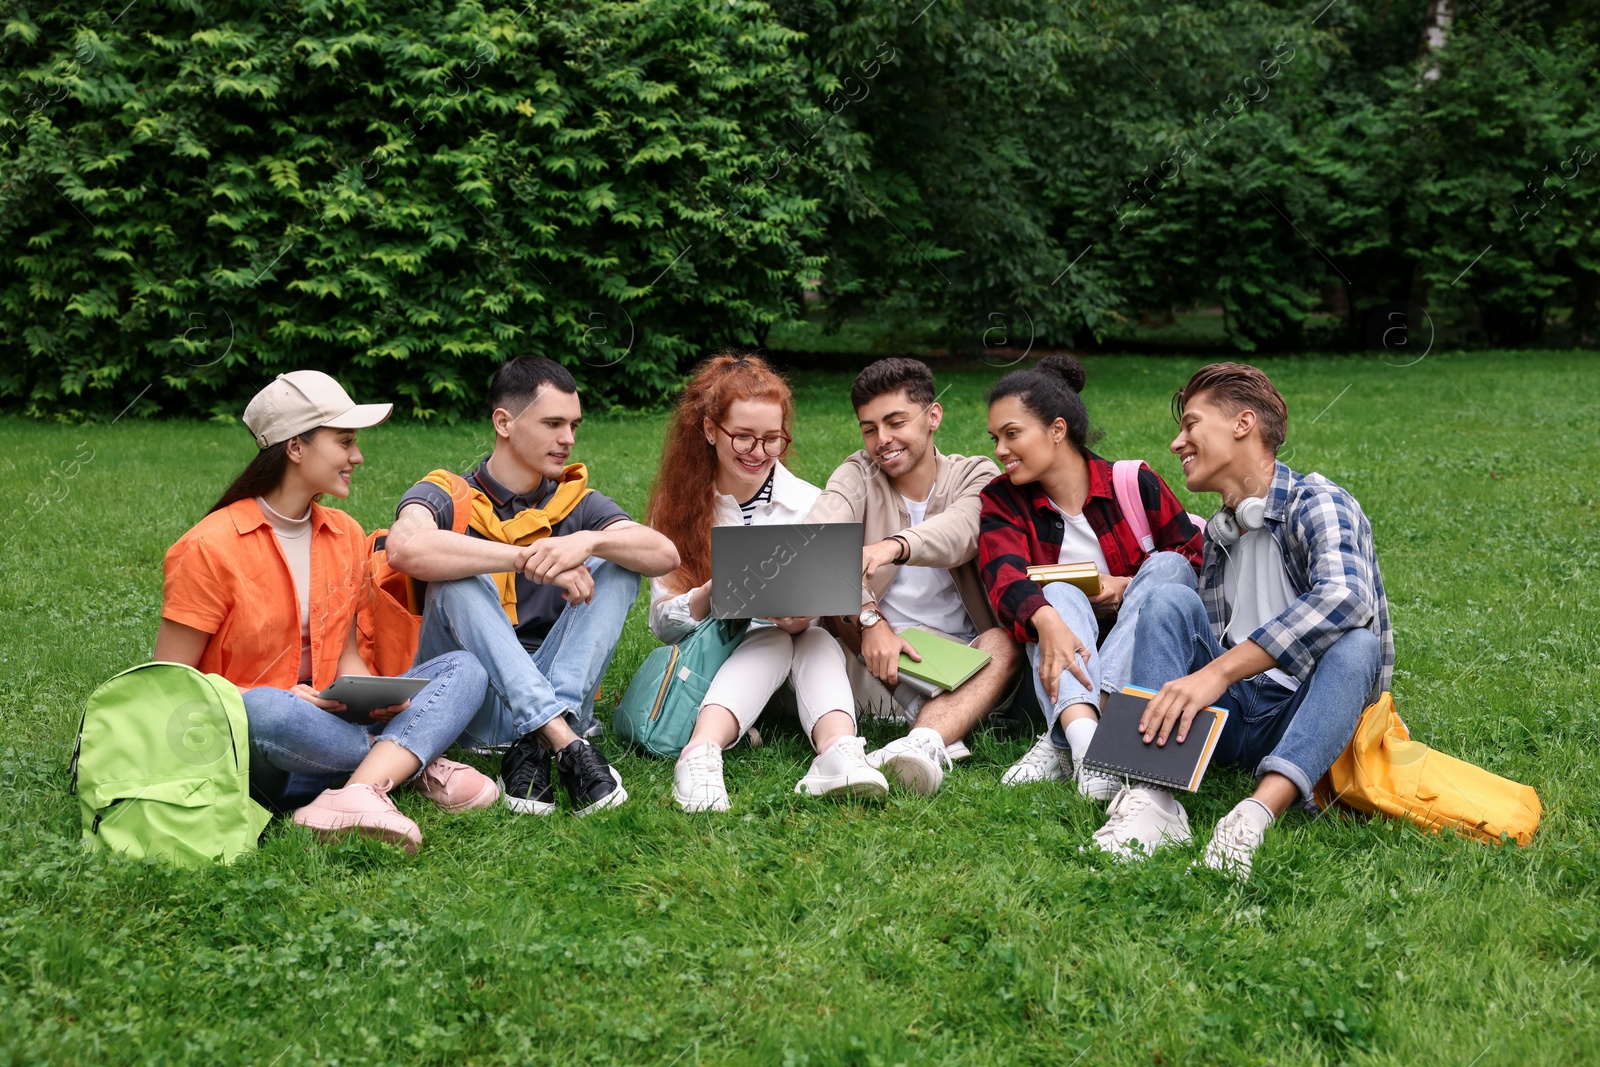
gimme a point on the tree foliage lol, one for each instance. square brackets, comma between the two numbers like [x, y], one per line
[1067, 166]
[196, 194]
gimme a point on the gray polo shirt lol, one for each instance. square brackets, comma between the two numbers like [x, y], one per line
[538, 605]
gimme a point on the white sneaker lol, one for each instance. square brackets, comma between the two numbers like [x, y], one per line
[1233, 843]
[1097, 784]
[697, 780]
[918, 759]
[1043, 763]
[1138, 825]
[957, 751]
[843, 769]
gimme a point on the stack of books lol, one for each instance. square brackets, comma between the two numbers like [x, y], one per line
[1083, 575]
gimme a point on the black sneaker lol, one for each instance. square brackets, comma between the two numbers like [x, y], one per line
[589, 778]
[525, 777]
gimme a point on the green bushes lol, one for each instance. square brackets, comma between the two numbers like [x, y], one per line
[401, 194]
[194, 195]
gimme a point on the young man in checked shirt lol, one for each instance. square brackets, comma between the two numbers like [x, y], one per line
[1289, 629]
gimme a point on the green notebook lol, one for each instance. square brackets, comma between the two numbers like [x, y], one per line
[945, 663]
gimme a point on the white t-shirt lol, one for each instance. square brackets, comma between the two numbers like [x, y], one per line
[1079, 542]
[925, 597]
[1256, 590]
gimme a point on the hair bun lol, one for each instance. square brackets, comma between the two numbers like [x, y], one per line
[1070, 370]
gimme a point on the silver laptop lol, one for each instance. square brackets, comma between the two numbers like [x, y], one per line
[764, 572]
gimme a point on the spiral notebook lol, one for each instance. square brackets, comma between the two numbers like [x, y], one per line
[1118, 748]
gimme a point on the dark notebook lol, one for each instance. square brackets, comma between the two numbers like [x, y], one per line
[1118, 748]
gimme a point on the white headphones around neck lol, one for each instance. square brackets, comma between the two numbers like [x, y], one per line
[1230, 524]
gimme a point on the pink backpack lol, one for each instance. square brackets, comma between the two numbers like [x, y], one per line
[1125, 479]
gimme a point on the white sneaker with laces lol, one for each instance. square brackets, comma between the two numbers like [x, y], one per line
[1139, 824]
[1041, 764]
[1097, 784]
[1233, 844]
[918, 759]
[843, 768]
[697, 780]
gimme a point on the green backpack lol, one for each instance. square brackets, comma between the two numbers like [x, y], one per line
[658, 711]
[162, 767]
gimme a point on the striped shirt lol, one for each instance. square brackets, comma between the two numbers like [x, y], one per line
[747, 510]
[1329, 558]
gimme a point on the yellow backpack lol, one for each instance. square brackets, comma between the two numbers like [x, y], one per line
[1384, 772]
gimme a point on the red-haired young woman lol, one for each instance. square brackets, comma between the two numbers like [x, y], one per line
[720, 467]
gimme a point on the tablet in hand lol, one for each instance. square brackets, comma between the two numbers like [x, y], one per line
[362, 694]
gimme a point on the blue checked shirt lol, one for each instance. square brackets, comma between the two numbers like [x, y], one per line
[1327, 552]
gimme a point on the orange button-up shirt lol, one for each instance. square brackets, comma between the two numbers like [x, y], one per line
[228, 577]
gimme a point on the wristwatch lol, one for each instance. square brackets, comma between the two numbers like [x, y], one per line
[869, 618]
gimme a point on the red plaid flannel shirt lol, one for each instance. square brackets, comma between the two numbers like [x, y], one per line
[1018, 529]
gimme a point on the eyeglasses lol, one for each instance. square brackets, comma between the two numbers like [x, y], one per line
[773, 445]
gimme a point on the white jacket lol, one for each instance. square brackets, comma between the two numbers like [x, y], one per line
[792, 498]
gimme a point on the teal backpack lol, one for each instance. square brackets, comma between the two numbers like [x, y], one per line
[162, 767]
[658, 711]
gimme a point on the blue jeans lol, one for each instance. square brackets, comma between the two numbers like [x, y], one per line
[1270, 729]
[296, 747]
[1111, 665]
[528, 690]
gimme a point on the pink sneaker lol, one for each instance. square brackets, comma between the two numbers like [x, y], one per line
[360, 807]
[456, 787]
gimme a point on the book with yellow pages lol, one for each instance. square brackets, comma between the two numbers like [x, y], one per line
[1085, 575]
[945, 663]
[1119, 749]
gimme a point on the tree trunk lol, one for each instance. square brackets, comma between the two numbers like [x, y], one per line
[1441, 13]
[1586, 293]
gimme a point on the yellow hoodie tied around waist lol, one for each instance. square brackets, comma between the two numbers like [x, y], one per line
[523, 528]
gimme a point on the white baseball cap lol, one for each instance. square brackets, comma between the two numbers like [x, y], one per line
[303, 400]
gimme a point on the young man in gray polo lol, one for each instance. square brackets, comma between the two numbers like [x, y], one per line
[920, 509]
[542, 617]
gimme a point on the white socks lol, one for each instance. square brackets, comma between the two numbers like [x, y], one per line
[1255, 812]
[1079, 733]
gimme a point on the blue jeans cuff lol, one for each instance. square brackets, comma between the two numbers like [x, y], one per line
[1279, 765]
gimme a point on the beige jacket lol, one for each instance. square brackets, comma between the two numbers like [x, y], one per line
[948, 537]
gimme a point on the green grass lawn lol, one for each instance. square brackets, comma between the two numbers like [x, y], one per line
[964, 928]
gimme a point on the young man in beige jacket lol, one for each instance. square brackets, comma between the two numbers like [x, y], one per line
[920, 509]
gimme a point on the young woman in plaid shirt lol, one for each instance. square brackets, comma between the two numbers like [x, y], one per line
[1056, 503]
